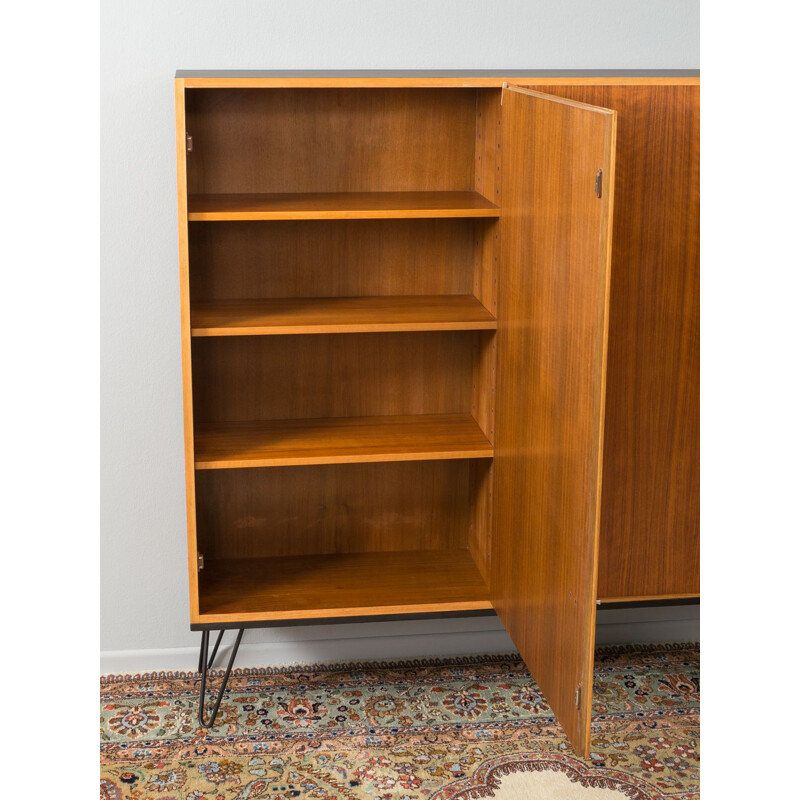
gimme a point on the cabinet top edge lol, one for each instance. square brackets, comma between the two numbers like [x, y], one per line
[464, 78]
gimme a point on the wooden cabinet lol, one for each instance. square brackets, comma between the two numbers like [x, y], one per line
[398, 294]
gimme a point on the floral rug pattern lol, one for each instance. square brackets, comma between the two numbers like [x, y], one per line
[437, 730]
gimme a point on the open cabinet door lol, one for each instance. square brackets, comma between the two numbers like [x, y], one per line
[555, 230]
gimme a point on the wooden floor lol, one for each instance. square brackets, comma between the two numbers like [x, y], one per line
[339, 440]
[341, 585]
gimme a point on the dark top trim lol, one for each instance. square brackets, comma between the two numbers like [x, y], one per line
[439, 73]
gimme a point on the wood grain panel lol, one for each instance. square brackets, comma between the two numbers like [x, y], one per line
[337, 375]
[259, 513]
[481, 515]
[340, 140]
[487, 183]
[341, 585]
[650, 532]
[484, 375]
[284, 316]
[338, 440]
[186, 345]
[551, 367]
[343, 258]
[648, 598]
[341, 205]
[488, 118]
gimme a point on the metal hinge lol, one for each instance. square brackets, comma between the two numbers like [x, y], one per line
[188, 142]
[598, 183]
[200, 561]
[578, 697]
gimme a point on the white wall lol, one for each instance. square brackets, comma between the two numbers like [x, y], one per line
[144, 591]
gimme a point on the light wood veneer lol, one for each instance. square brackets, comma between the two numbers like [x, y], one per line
[650, 526]
[551, 372]
[340, 315]
[342, 585]
[339, 440]
[339, 205]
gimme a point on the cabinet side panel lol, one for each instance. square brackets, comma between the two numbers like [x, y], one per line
[487, 182]
[485, 276]
[481, 515]
[484, 376]
[650, 521]
[186, 344]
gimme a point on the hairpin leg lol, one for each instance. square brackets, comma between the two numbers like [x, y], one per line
[205, 665]
[213, 652]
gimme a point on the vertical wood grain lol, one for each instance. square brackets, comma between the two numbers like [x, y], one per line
[487, 183]
[333, 140]
[342, 508]
[186, 345]
[243, 378]
[481, 515]
[332, 258]
[487, 262]
[553, 294]
[650, 531]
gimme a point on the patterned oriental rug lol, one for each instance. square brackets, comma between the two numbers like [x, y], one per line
[461, 729]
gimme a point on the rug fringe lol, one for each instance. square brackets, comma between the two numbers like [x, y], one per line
[493, 658]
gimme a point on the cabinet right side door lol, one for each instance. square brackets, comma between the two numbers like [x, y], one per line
[650, 519]
[557, 185]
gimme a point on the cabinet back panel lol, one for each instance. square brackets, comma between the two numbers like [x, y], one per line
[345, 258]
[350, 508]
[342, 375]
[331, 140]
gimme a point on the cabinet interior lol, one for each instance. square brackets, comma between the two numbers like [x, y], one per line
[343, 257]
[333, 140]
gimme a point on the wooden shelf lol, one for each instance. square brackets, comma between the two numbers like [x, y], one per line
[339, 205]
[339, 440]
[340, 315]
[341, 585]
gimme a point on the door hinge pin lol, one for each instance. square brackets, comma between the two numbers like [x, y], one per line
[598, 183]
[578, 697]
[200, 561]
[189, 143]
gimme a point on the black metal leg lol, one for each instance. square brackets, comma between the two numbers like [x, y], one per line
[205, 665]
[210, 662]
[203, 648]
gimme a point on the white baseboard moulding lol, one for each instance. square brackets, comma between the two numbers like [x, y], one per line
[338, 644]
